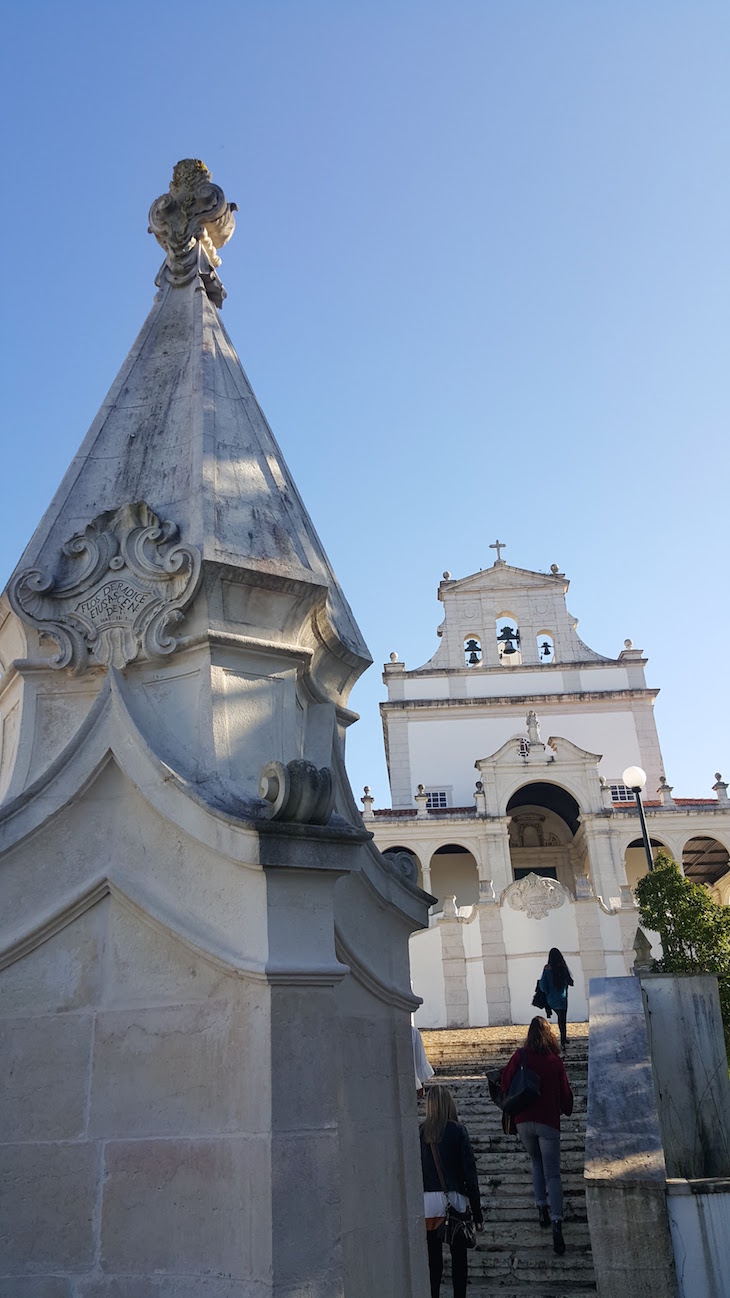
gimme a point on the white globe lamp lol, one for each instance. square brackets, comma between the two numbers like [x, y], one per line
[635, 779]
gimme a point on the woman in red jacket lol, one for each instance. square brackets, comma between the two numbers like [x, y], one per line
[538, 1126]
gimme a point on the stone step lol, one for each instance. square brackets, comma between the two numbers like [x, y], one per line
[514, 1257]
[480, 1289]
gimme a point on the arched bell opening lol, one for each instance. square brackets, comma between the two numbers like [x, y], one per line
[454, 874]
[545, 835]
[705, 860]
[472, 651]
[508, 640]
[545, 648]
[635, 859]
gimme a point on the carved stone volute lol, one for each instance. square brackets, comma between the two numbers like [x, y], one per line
[117, 589]
[190, 222]
[298, 792]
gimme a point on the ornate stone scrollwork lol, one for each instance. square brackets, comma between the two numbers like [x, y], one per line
[535, 895]
[403, 864]
[297, 791]
[119, 587]
[193, 217]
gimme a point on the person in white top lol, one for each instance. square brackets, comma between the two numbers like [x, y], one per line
[421, 1066]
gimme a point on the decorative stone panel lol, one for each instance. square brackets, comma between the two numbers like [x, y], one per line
[117, 589]
[536, 895]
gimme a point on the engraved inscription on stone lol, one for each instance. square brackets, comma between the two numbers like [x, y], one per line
[113, 602]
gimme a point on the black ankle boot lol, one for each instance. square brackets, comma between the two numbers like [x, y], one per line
[558, 1241]
[543, 1215]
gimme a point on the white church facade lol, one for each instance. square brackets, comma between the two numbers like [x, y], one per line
[505, 755]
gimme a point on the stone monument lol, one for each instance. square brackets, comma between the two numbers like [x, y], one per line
[206, 1086]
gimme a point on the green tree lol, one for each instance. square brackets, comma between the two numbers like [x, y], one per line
[694, 930]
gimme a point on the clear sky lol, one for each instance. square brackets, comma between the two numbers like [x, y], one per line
[479, 283]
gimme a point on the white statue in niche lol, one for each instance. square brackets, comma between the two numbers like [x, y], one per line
[533, 727]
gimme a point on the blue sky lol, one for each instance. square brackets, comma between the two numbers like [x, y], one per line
[479, 283]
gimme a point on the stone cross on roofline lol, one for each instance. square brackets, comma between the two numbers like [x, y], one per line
[190, 222]
[499, 546]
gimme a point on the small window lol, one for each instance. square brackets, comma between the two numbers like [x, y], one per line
[436, 798]
[545, 648]
[620, 792]
[472, 651]
[508, 641]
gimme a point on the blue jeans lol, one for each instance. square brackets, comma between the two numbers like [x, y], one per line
[543, 1145]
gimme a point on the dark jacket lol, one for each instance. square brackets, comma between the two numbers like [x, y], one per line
[457, 1164]
[556, 997]
[555, 1096]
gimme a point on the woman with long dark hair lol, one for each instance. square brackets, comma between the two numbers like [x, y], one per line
[449, 1177]
[538, 1125]
[554, 983]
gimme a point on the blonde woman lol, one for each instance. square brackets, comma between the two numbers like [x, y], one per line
[449, 1173]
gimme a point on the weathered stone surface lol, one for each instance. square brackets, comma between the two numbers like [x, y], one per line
[63, 973]
[624, 1161]
[47, 1198]
[690, 1072]
[45, 1062]
[36, 1287]
[189, 1062]
[145, 966]
[166, 1287]
[187, 1207]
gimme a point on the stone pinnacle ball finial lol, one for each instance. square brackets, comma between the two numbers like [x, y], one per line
[190, 222]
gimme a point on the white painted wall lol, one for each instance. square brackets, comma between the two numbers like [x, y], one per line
[527, 942]
[481, 684]
[427, 978]
[443, 749]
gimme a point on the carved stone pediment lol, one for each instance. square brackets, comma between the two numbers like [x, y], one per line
[118, 588]
[535, 895]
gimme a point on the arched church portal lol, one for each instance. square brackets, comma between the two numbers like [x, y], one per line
[454, 874]
[545, 836]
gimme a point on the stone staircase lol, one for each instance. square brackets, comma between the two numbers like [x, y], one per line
[514, 1257]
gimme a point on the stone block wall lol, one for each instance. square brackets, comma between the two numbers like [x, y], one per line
[129, 1103]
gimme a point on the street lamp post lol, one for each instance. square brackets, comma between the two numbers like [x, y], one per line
[635, 779]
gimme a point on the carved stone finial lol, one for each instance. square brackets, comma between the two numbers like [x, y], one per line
[554, 569]
[190, 222]
[394, 657]
[628, 644]
[118, 588]
[447, 575]
[642, 950]
[720, 788]
[367, 801]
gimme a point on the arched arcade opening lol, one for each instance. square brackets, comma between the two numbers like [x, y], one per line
[544, 833]
[454, 874]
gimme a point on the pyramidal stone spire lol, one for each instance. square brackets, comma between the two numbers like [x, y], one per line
[178, 518]
[204, 982]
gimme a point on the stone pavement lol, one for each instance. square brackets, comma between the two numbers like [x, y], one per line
[515, 1256]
